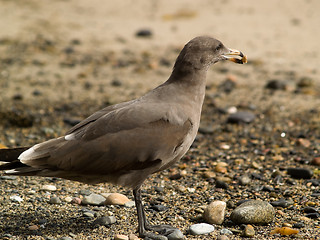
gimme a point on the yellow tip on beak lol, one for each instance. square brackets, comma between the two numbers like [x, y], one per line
[235, 56]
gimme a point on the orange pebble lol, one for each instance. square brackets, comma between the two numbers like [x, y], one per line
[284, 231]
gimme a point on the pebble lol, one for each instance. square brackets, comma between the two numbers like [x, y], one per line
[253, 212]
[214, 212]
[159, 207]
[241, 117]
[48, 188]
[55, 200]
[276, 84]
[8, 177]
[313, 215]
[133, 237]
[144, 33]
[88, 214]
[222, 237]
[76, 200]
[248, 231]
[115, 199]
[316, 161]
[16, 198]
[176, 235]
[300, 173]
[201, 228]
[65, 238]
[93, 199]
[130, 204]
[284, 231]
[68, 199]
[310, 210]
[120, 237]
[226, 231]
[33, 228]
[282, 203]
[85, 192]
[244, 180]
[105, 220]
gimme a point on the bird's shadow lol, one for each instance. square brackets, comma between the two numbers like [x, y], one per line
[57, 224]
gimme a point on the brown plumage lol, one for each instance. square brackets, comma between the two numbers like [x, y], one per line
[125, 143]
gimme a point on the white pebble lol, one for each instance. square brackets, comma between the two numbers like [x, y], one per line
[48, 188]
[201, 228]
[16, 198]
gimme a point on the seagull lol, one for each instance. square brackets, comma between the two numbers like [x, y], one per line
[124, 143]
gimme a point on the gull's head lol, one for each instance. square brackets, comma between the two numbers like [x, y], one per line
[203, 51]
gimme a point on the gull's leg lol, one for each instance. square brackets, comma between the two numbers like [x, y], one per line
[144, 225]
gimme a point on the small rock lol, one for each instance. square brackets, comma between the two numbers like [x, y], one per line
[300, 173]
[241, 117]
[276, 84]
[33, 228]
[253, 212]
[105, 220]
[316, 161]
[303, 142]
[93, 199]
[85, 192]
[313, 215]
[159, 207]
[88, 214]
[305, 82]
[130, 204]
[284, 231]
[248, 231]
[228, 85]
[16, 198]
[8, 177]
[133, 237]
[144, 33]
[221, 167]
[55, 200]
[298, 225]
[201, 228]
[244, 179]
[209, 174]
[120, 237]
[310, 210]
[282, 203]
[76, 200]
[222, 237]
[176, 235]
[214, 212]
[68, 199]
[225, 231]
[65, 238]
[116, 199]
[48, 188]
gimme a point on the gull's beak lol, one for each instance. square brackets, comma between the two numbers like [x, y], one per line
[235, 56]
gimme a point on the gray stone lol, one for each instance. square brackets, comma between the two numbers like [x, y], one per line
[55, 200]
[241, 117]
[93, 199]
[176, 235]
[253, 212]
[201, 228]
[105, 220]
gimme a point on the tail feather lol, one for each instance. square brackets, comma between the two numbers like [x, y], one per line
[9, 158]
